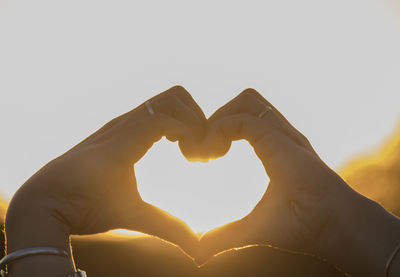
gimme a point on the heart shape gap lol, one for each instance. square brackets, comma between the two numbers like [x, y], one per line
[204, 195]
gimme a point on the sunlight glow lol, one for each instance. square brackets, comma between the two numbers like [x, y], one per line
[204, 195]
[376, 174]
[331, 67]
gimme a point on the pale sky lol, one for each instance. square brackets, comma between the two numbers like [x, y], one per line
[68, 67]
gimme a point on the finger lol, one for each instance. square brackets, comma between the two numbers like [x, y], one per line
[232, 235]
[171, 105]
[299, 136]
[236, 127]
[230, 128]
[272, 146]
[175, 102]
[193, 110]
[156, 222]
[248, 101]
[253, 103]
[172, 118]
[186, 98]
[261, 98]
[242, 103]
[133, 140]
[164, 125]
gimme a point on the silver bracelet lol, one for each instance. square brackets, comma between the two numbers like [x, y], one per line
[390, 260]
[23, 253]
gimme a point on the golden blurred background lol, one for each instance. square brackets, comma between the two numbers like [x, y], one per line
[376, 174]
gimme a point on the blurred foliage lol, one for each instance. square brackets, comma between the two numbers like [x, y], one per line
[3, 206]
[377, 175]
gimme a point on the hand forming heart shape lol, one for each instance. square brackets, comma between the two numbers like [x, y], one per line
[92, 187]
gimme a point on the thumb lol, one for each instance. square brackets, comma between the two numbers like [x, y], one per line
[232, 235]
[157, 222]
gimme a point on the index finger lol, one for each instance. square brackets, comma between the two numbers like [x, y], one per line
[253, 103]
[244, 103]
[189, 113]
[187, 98]
[163, 115]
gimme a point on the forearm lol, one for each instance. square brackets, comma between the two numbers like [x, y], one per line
[30, 224]
[365, 238]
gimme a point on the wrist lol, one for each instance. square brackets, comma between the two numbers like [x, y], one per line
[29, 223]
[362, 237]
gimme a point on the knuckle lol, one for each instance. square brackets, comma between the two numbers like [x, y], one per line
[305, 139]
[248, 95]
[249, 92]
[178, 90]
[171, 91]
[111, 123]
[247, 100]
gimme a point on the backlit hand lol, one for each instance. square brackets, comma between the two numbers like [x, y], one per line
[304, 199]
[92, 187]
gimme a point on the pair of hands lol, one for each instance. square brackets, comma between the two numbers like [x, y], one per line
[92, 187]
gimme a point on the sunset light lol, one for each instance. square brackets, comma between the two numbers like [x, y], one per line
[202, 194]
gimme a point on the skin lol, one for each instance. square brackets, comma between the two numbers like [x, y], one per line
[92, 188]
[306, 208]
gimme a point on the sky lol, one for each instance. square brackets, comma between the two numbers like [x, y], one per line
[67, 67]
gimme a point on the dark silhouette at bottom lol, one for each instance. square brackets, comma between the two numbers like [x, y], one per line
[148, 256]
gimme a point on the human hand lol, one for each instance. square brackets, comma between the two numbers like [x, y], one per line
[307, 207]
[305, 199]
[92, 187]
